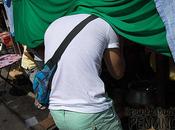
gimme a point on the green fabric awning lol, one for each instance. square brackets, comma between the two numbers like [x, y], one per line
[136, 20]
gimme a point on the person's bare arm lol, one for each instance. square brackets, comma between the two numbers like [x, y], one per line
[114, 62]
[28, 55]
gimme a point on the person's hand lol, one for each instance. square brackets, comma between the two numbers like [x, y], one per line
[39, 106]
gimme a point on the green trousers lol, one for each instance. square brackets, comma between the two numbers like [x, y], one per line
[68, 120]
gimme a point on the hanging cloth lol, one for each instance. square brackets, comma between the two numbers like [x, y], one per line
[136, 20]
[166, 9]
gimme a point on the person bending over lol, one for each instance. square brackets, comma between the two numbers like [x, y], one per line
[78, 100]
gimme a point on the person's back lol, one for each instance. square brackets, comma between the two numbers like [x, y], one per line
[76, 85]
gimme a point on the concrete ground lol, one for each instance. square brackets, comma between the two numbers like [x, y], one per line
[17, 111]
[9, 121]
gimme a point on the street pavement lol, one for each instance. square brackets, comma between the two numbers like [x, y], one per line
[17, 110]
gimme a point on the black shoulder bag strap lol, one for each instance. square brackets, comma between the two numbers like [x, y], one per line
[57, 55]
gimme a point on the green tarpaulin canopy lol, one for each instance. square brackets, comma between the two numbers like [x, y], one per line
[136, 20]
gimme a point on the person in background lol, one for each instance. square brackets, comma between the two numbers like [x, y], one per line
[28, 64]
[78, 100]
[32, 62]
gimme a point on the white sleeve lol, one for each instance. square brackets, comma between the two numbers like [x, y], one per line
[113, 40]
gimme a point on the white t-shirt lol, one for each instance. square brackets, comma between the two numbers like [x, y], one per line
[76, 85]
